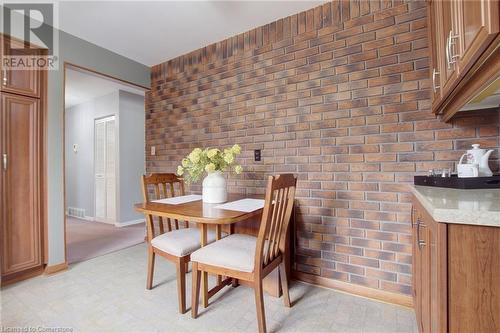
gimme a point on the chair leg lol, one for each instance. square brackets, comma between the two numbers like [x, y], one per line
[181, 285]
[151, 268]
[259, 303]
[195, 290]
[284, 284]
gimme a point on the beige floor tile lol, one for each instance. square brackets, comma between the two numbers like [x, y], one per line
[107, 294]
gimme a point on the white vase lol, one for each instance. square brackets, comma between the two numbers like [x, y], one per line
[214, 188]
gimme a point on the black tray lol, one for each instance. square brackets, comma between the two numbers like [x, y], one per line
[461, 183]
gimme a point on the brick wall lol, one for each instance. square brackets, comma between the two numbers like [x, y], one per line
[338, 95]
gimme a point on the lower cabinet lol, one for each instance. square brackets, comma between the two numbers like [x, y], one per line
[456, 275]
[20, 187]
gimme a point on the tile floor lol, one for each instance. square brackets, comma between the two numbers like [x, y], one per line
[107, 294]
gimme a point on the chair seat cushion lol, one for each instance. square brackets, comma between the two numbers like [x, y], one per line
[236, 252]
[180, 242]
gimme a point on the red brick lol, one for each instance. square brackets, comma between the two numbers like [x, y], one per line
[345, 106]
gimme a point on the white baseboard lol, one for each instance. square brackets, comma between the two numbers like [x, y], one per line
[126, 223]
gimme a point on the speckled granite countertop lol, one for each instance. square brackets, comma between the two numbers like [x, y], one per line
[476, 207]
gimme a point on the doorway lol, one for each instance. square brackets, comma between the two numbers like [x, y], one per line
[104, 160]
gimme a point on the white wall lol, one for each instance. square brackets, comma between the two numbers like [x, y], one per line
[76, 51]
[128, 109]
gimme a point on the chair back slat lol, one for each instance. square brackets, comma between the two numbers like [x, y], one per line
[159, 186]
[280, 194]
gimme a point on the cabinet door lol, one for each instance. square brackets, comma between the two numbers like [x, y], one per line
[429, 271]
[435, 66]
[20, 183]
[447, 39]
[416, 270]
[23, 82]
[478, 24]
[437, 252]
[425, 272]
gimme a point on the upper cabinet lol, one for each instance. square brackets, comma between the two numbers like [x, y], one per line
[24, 82]
[477, 26]
[464, 37]
[434, 43]
[448, 39]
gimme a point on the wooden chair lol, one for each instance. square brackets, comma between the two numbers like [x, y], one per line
[249, 258]
[176, 244]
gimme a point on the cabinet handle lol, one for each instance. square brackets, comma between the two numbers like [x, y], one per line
[434, 74]
[454, 57]
[420, 242]
[4, 77]
[4, 161]
[447, 51]
[450, 42]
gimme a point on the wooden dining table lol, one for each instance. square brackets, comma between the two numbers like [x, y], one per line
[207, 216]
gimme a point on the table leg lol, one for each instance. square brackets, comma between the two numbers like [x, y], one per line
[204, 275]
[218, 235]
[234, 281]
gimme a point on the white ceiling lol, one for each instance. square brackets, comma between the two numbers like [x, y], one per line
[82, 87]
[152, 32]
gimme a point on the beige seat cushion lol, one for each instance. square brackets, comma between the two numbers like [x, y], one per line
[180, 242]
[235, 252]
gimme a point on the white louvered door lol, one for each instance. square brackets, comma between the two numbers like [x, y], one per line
[105, 164]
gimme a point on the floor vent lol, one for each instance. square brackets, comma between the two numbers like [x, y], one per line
[76, 212]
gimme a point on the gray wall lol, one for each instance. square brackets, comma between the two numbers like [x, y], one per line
[82, 53]
[80, 165]
[79, 52]
[132, 160]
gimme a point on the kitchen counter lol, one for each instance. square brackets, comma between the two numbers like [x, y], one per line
[475, 207]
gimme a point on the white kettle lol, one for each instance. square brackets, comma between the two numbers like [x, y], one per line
[480, 157]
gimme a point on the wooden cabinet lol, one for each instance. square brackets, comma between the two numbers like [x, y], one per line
[22, 167]
[447, 39]
[462, 34]
[434, 43]
[429, 276]
[25, 82]
[477, 26]
[20, 183]
[456, 285]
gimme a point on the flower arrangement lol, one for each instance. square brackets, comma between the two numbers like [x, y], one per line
[208, 160]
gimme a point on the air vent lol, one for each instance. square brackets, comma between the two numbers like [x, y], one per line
[76, 212]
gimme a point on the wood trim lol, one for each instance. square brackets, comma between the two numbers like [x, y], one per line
[484, 72]
[20, 276]
[102, 75]
[354, 289]
[64, 160]
[56, 268]
[44, 107]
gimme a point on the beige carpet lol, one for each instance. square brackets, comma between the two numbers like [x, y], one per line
[87, 239]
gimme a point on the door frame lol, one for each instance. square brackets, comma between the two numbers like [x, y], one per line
[69, 65]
